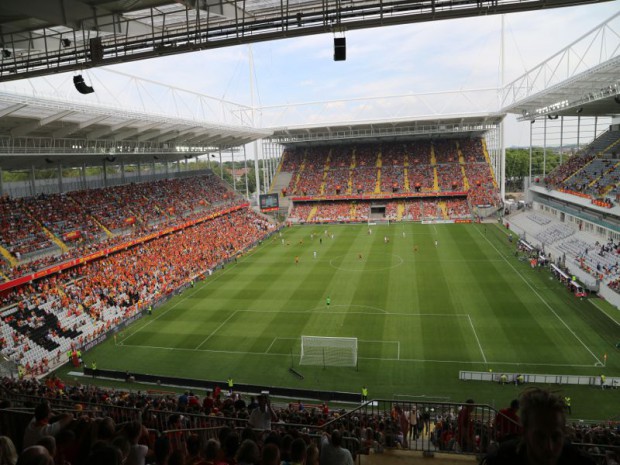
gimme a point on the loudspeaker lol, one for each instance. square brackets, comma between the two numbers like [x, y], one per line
[340, 48]
[96, 49]
[80, 85]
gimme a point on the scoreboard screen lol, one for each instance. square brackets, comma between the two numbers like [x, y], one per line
[269, 202]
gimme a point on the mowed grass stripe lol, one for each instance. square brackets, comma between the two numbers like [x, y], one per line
[422, 299]
[564, 344]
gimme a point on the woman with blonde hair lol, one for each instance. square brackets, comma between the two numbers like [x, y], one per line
[8, 454]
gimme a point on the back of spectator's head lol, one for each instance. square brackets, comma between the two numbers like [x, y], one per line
[312, 454]
[42, 411]
[336, 438]
[49, 442]
[8, 453]
[162, 449]
[224, 432]
[106, 429]
[536, 401]
[271, 455]
[177, 458]
[212, 447]
[543, 418]
[231, 445]
[248, 452]
[122, 444]
[514, 404]
[285, 447]
[35, 455]
[174, 421]
[273, 438]
[64, 438]
[133, 430]
[248, 433]
[193, 444]
[298, 450]
[105, 454]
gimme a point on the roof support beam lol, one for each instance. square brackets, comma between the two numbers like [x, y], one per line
[74, 127]
[12, 109]
[177, 135]
[133, 131]
[97, 134]
[29, 127]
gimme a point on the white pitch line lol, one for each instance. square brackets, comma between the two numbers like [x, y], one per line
[408, 360]
[270, 345]
[328, 312]
[216, 330]
[541, 298]
[484, 357]
[603, 311]
[382, 342]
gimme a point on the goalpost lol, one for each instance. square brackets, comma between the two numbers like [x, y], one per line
[378, 221]
[328, 351]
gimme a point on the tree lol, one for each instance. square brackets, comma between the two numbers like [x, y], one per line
[518, 165]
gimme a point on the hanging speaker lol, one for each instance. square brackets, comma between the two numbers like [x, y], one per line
[96, 49]
[340, 48]
[81, 86]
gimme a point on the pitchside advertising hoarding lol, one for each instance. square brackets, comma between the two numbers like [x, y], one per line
[269, 202]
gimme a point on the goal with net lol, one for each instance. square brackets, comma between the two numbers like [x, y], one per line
[378, 222]
[328, 351]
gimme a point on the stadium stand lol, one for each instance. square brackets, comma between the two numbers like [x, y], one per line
[20, 234]
[555, 233]
[387, 170]
[193, 426]
[599, 260]
[49, 229]
[43, 320]
[592, 173]
[539, 219]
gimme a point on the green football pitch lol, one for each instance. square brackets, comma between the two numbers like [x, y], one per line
[429, 302]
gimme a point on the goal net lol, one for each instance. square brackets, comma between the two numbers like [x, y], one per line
[328, 351]
[378, 221]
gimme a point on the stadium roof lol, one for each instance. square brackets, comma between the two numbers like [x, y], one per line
[39, 132]
[435, 127]
[41, 37]
[581, 79]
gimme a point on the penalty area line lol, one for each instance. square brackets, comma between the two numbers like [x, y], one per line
[471, 323]
[216, 330]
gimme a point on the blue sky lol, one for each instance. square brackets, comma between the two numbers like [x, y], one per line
[407, 59]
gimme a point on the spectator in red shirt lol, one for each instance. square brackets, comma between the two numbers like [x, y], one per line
[508, 423]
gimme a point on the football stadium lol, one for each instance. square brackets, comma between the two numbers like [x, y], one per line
[378, 279]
